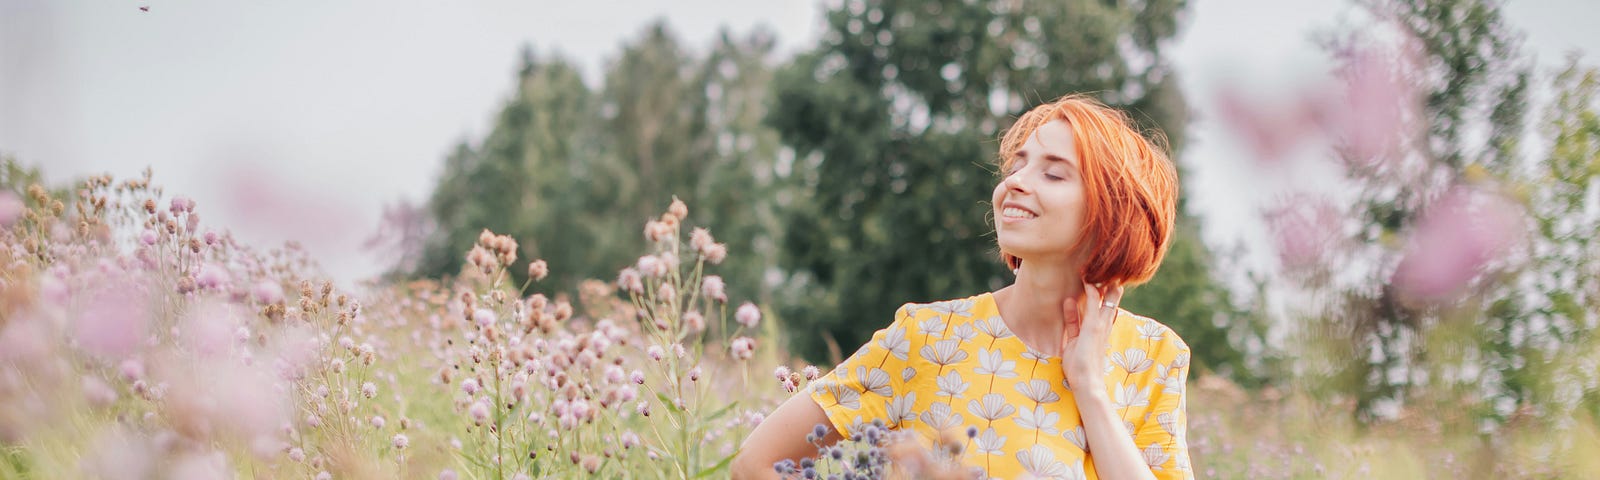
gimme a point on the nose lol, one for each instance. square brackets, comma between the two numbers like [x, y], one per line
[1013, 182]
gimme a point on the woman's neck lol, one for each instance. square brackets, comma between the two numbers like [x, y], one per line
[1032, 307]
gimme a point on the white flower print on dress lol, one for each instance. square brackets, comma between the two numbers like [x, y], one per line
[1130, 395]
[903, 408]
[874, 380]
[994, 327]
[1132, 360]
[951, 384]
[907, 374]
[1078, 437]
[1170, 384]
[844, 396]
[992, 362]
[940, 417]
[895, 342]
[964, 332]
[944, 352]
[1155, 456]
[1038, 390]
[1168, 421]
[990, 442]
[992, 407]
[1151, 331]
[962, 307]
[932, 326]
[1040, 462]
[1040, 419]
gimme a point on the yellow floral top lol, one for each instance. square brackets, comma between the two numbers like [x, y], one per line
[954, 364]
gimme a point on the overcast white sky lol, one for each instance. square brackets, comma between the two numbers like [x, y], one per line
[346, 105]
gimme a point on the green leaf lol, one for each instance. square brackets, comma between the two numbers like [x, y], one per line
[719, 466]
[668, 402]
[722, 411]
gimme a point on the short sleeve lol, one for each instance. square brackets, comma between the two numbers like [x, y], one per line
[1162, 438]
[870, 384]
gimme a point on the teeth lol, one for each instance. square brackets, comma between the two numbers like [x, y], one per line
[1014, 212]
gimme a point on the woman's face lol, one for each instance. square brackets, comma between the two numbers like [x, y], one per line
[1038, 205]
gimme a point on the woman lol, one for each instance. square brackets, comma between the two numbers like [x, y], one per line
[1043, 372]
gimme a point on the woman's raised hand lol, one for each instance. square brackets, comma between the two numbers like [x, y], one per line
[1086, 336]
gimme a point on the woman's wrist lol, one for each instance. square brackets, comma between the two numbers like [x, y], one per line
[1090, 391]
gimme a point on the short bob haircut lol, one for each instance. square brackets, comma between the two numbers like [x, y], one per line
[1130, 188]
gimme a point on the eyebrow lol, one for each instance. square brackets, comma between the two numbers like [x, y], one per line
[1049, 157]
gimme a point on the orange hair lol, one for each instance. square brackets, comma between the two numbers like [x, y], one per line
[1130, 187]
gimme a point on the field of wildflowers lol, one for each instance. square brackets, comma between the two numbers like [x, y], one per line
[136, 342]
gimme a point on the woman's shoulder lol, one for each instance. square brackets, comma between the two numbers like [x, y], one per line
[1132, 327]
[954, 307]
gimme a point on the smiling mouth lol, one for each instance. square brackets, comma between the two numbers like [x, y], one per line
[1017, 213]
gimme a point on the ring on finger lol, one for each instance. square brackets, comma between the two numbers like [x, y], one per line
[1109, 304]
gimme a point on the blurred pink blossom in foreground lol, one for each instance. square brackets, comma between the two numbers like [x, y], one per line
[11, 208]
[114, 321]
[1458, 235]
[1364, 112]
[1304, 228]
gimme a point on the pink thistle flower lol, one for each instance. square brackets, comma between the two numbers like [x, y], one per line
[700, 239]
[678, 350]
[694, 374]
[369, 390]
[642, 408]
[470, 386]
[211, 277]
[694, 321]
[715, 253]
[651, 266]
[637, 377]
[581, 409]
[743, 348]
[748, 315]
[538, 269]
[667, 293]
[678, 209]
[811, 372]
[630, 440]
[347, 343]
[447, 474]
[655, 352]
[630, 280]
[378, 422]
[614, 374]
[479, 412]
[713, 288]
[132, 369]
[324, 475]
[483, 317]
[180, 204]
[210, 237]
[782, 372]
[400, 441]
[297, 455]
[669, 260]
[267, 292]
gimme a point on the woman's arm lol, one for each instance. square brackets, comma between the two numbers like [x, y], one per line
[1083, 350]
[782, 435]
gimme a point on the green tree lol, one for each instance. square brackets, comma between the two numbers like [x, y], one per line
[573, 174]
[893, 118]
